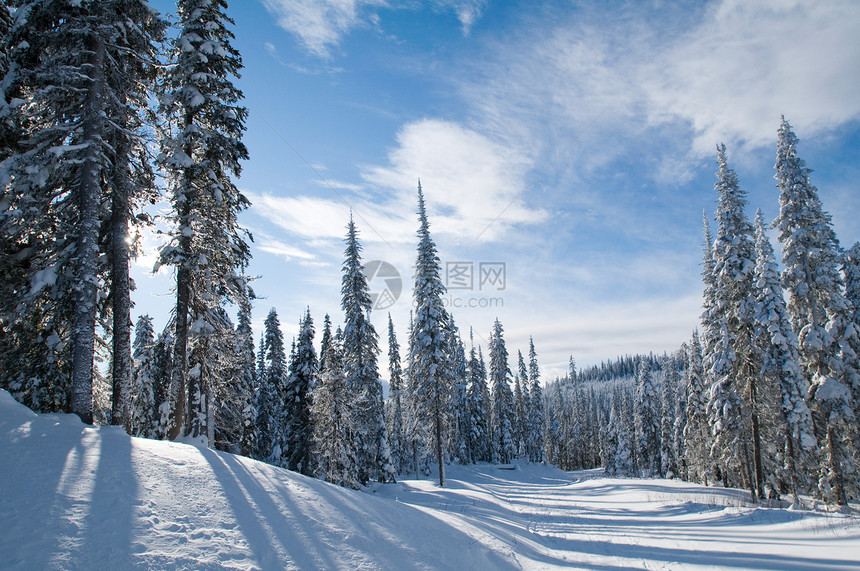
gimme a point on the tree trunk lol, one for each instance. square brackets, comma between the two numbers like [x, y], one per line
[792, 464]
[759, 472]
[86, 289]
[439, 440]
[835, 465]
[746, 471]
[180, 354]
[120, 284]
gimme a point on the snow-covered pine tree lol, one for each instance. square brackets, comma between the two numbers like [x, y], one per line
[552, 425]
[820, 316]
[35, 309]
[851, 271]
[271, 392]
[520, 396]
[680, 422]
[261, 359]
[619, 461]
[735, 364]
[502, 409]
[325, 340]
[141, 413]
[610, 440]
[703, 358]
[429, 362]
[394, 409]
[163, 369]
[709, 317]
[535, 446]
[697, 441]
[781, 370]
[217, 369]
[297, 404]
[725, 421]
[221, 366]
[573, 421]
[668, 414]
[415, 441]
[460, 427]
[477, 395]
[201, 150]
[647, 419]
[360, 352]
[334, 419]
[72, 66]
[248, 379]
[134, 48]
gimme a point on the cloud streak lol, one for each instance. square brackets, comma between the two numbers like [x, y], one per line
[320, 25]
[471, 183]
[725, 75]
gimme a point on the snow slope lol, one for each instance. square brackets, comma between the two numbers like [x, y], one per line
[74, 497]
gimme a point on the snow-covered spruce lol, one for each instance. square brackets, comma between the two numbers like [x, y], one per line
[68, 67]
[360, 353]
[821, 318]
[429, 366]
[201, 150]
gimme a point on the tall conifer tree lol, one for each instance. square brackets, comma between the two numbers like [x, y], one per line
[297, 404]
[395, 409]
[270, 396]
[141, 413]
[75, 89]
[535, 407]
[429, 361]
[734, 364]
[781, 370]
[647, 418]
[360, 352]
[334, 419]
[502, 416]
[696, 433]
[201, 151]
[820, 316]
[477, 396]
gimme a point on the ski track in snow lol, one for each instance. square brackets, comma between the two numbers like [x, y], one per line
[74, 497]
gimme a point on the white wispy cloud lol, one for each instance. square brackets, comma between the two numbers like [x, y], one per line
[284, 250]
[724, 75]
[467, 11]
[320, 25]
[472, 185]
[747, 62]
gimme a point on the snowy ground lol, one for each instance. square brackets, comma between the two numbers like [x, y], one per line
[73, 497]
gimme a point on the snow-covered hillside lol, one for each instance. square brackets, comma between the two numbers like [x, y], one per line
[73, 497]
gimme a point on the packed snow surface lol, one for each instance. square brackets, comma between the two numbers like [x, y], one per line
[75, 497]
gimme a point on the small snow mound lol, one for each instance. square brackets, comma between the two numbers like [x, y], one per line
[831, 389]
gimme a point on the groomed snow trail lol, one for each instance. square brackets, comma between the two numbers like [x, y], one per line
[546, 518]
[76, 497]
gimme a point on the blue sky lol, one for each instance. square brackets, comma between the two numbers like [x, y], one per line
[572, 142]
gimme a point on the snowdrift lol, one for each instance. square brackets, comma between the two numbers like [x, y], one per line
[77, 497]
